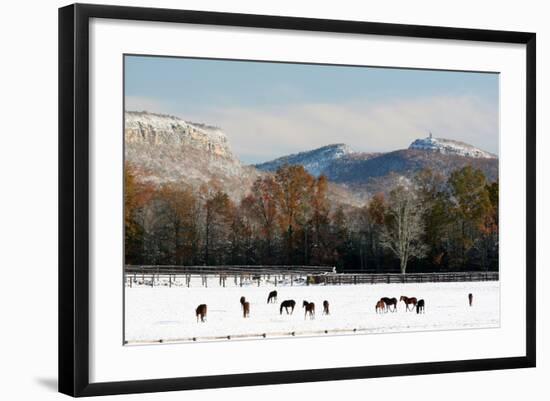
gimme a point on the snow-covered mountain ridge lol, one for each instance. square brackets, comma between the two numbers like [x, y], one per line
[451, 147]
[314, 161]
[339, 163]
[371, 172]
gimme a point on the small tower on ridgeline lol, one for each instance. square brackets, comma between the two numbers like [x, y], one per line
[430, 135]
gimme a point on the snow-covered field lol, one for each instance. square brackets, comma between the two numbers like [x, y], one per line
[163, 314]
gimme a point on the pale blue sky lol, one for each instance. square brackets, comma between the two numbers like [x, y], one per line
[271, 109]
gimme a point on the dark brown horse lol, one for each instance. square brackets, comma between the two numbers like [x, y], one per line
[389, 302]
[420, 306]
[380, 306]
[408, 301]
[289, 303]
[470, 299]
[246, 307]
[201, 312]
[310, 308]
[325, 308]
[272, 297]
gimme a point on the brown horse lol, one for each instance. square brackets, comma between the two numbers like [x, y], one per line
[325, 308]
[420, 306]
[201, 312]
[470, 299]
[289, 303]
[389, 302]
[380, 306]
[310, 308]
[246, 307]
[272, 297]
[408, 301]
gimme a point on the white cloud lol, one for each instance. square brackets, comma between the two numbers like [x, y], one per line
[259, 134]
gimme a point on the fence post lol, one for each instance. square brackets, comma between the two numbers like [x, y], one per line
[170, 280]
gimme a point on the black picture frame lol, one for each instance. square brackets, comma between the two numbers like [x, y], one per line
[74, 198]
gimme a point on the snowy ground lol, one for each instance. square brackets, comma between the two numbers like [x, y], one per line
[163, 314]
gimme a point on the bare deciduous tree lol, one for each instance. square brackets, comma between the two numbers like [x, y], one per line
[404, 227]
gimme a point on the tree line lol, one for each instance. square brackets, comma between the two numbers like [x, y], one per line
[427, 223]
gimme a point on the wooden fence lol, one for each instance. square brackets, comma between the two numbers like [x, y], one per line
[389, 278]
[283, 275]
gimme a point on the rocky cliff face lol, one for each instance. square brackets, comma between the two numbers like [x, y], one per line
[155, 129]
[169, 149]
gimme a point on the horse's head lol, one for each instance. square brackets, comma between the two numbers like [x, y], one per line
[243, 300]
[403, 298]
[304, 304]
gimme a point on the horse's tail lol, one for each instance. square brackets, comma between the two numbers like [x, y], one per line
[281, 309]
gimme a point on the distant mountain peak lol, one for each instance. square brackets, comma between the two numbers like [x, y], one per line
[314, 161]
[449, 146]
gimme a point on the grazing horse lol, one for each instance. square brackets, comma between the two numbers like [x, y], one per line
[389, 302]
[408, 301]
[272, 297]
[420, 306]
[380, 306]
[289, 303]
[246, 307]
[470, 299]
[201, 312]
[325, 308]
[310, 308]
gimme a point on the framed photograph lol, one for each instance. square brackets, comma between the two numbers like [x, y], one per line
[251, 199]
